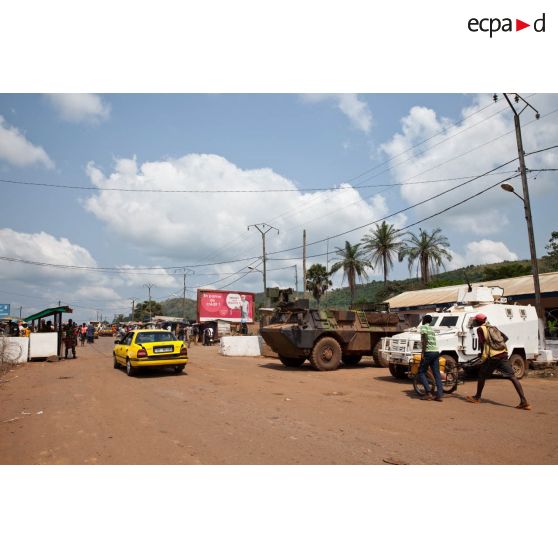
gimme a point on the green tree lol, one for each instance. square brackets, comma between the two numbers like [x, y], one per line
[142, 313]
[353, 263]
[514, 269]
[382, 244]
[428, 250]
[551, 258]
[317, 281]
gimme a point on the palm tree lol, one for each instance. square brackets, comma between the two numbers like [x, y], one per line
[317, 281]
[429, 250]
[383, 242]
[353, 263]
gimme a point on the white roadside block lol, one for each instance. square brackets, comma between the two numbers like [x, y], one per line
[238, 345]
[15, 349]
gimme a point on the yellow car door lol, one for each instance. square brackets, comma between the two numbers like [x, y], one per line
[122, 349]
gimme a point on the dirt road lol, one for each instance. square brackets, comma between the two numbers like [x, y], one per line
[240, 410]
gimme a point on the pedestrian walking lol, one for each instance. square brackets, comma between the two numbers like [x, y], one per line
[430, 358]
[207, 336]
[90, 334]
[82, 334]
[494, 356]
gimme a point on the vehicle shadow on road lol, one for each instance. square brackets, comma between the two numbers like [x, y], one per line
[146, 374]
[282, 368]
[392, 380]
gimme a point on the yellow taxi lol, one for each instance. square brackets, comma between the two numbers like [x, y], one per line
[150, 347]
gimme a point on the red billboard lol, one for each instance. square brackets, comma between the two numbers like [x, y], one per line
[232, 306]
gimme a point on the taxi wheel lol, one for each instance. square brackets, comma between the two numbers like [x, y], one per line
[115, 363]
[129, 368]
[178, 369]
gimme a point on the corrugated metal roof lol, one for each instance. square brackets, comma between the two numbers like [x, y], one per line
[514, 286]
[48, 312]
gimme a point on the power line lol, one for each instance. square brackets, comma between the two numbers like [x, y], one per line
[273, 190]
[305, 208]
[425, 218]
[491, 104]
[106, 269]
[396, 212]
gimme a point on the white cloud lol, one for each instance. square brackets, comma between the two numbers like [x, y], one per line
[39, 247]
[482, 252]
[459, 150]
[350, 105]
[80, 107]
[191, 228]
[96, 292]
[37, 287]
[17, 150]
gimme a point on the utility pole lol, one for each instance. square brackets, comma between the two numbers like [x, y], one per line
[20, 309]
[133, 305]
[263, 229]
[296, 278]
[185, 271]
[149, 286]
[526, 202]
[304, 263]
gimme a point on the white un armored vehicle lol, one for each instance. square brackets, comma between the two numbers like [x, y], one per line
[457, 338]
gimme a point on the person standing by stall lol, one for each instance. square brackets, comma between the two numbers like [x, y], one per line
[70, 338]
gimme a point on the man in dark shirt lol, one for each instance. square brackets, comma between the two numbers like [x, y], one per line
[494, 359]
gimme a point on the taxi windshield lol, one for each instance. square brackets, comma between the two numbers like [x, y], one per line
[154, 337]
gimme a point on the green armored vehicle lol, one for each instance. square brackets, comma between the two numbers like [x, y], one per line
[328, 337]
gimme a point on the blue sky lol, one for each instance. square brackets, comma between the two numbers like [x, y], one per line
[248, 142]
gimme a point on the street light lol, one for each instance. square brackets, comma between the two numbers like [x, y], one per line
[509, 188]
[534, 263]
[255, 269]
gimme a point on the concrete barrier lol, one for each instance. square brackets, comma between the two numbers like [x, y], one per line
[239, 345]
[15, 349]
[43, 345]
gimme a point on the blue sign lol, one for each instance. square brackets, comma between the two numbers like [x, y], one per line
[4, 310]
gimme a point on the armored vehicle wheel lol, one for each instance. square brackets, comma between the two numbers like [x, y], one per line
[351, 360]
[398, 371]
[326, 354]
[293, 362]
[518, 365]
[379, 358]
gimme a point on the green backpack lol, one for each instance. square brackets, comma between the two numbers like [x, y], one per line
[495, 338]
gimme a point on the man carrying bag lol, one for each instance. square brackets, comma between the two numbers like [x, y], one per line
[494, 356]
